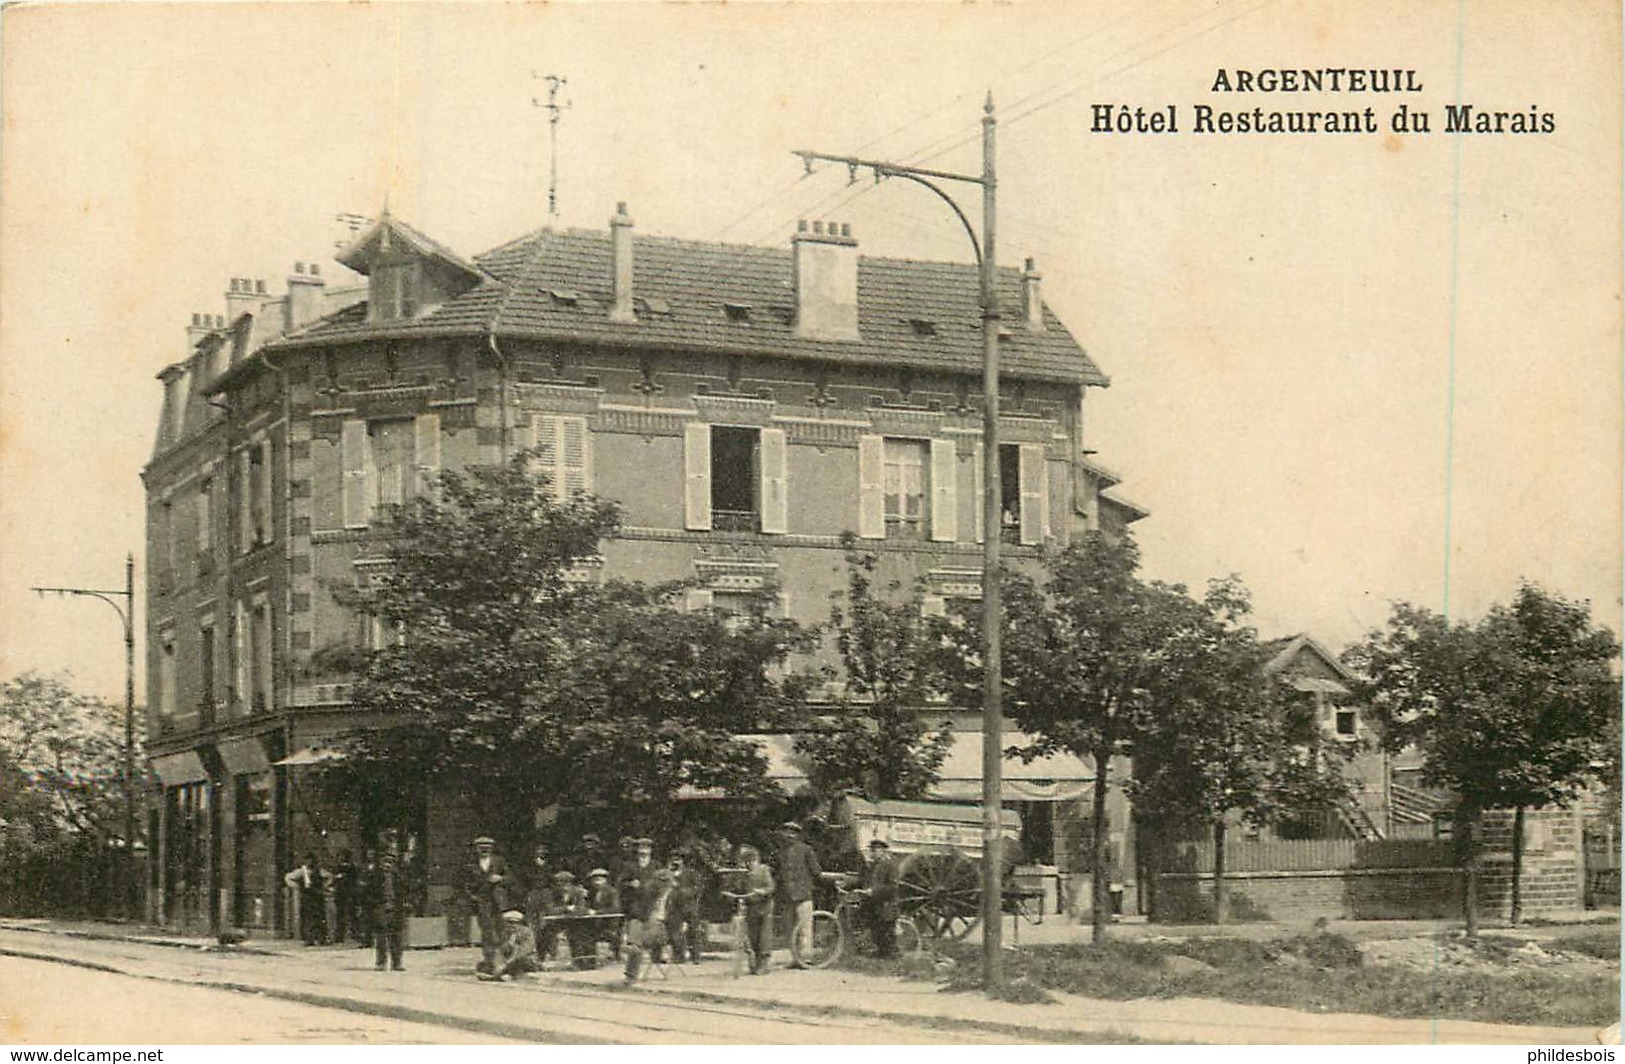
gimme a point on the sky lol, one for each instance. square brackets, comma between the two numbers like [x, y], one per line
[1351, 368]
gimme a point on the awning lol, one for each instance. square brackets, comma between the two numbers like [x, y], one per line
[244, 757]
[311, 755]
[1057, 777]
[778, 750]
[176, 769]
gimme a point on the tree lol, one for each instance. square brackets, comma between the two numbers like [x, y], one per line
[524, 687]
[61, 787]
[1512, 712]
[1091, 657]
[877, 742]
[1217, 744]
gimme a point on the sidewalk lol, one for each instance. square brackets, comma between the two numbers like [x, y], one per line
[338, 975]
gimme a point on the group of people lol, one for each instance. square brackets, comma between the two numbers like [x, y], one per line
[624, 903]
[630, 905]
[640, 909]
[370, 901]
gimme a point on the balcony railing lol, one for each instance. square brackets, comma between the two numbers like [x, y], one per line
[735, 521]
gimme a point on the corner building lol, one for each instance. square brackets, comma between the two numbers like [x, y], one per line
[746, 406]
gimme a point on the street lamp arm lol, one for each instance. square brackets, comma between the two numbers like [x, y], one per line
[105, 596]
[970, 230]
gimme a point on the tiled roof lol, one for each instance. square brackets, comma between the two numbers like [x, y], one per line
[532, 281]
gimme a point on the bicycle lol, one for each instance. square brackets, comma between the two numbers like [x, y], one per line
[832, 931]
[738, 938]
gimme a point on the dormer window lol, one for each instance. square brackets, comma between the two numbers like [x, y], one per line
[736, 311]
[394, 290]
[565, 297]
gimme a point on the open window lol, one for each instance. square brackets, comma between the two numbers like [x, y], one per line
[736, 478]
[907, 488]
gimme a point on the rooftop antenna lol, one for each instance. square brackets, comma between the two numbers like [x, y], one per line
[555, 111]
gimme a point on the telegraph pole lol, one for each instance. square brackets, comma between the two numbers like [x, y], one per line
[555, 111]
[992, 525]
[126, 615]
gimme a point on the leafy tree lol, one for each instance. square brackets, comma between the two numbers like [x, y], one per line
[1092, 657]
[524, 687]
[1512, 712]
[1217, 744]
[877, 742]
[61, 794]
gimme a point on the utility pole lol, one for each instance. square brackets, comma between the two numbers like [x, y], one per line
[555, 111]
[126, 615]
[992, 525]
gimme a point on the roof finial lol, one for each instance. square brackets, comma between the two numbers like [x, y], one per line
[555, 111]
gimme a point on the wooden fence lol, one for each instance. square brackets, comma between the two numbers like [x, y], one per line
[1309, 855]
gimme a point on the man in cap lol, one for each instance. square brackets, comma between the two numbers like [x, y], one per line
[485, 883]
[602, 900]
[590, 856]
[798, 871]
[648, 937]
[566, 899]
[879, 909]
[517, 954]
[385, 903]
[684, 929]
[311, 884]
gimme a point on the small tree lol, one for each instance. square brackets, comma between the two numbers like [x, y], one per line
[524, 687]
[1512, 712]
[1091, 657]
[1217, 742]
[877, 741]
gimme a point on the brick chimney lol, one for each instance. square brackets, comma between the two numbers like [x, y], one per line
[306, 288]
[824, 261]
[246, 295]
[1032, 301]
[201, 326]
[620, 266]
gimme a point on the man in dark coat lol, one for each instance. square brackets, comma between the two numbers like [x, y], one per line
[684, 928]
[798, 871]
[485, 884]
[880, 907]
[311, 884]
[344, 898]
[385, 903]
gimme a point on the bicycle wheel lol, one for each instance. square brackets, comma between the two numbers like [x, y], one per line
[739, 947]
[827, 940]
[908, 937]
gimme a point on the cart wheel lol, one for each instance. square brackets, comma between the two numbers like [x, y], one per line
[941, 892]
[827, 942]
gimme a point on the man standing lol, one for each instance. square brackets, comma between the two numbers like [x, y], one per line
[798, 871]
[880, 907]
[683, 926]
[484, 882]
[385, 903]
[310, 883]
[344, 898]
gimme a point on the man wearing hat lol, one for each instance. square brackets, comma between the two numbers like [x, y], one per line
[647, 937]
[566, 899]
[603, 899]
[590, 856]
[517, 954]
[384, 900]
[798, 871]
[485, 883]
[684, 929]
[879, 909]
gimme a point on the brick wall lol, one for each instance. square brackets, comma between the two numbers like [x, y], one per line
[1301, 897]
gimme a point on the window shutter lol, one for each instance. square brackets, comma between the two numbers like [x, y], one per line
[697, 476]
[245, 500]
[944, 490]
[245, 697]
[355, 462]
[1034, 494]
[267, 517]
[783, 604]
[872, 487]
[979, 486]
[426, 446]
[698, 598]
[575, 459]
[775, 477]
[204, 515]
